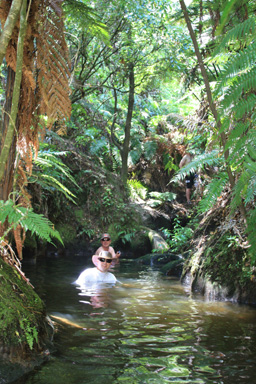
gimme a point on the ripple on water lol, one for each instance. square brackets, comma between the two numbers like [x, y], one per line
[149, 331]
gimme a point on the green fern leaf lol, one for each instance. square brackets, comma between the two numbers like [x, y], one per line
[51, 181]
[236, 65]
[242, 32]
[213, 191]
[243, 84]
[238, 131]
[150, 148]
[29, 220]
[210, 159]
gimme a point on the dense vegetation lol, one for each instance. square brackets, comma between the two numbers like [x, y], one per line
[98, 112]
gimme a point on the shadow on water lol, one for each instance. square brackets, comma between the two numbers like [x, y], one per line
[148, 330]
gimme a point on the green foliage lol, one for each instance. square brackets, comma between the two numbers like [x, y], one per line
[179, 236]
[225, 14]
[150, 148]
[85, 18]
[136, 188]
[160, 198]
[241, 32]
[169, 163]
[126, 235]
[51, 173]
[212, 192]
[211, 159]
[28, 220]
[30, 332]
[236, 90]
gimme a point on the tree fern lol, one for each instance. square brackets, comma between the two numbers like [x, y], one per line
[28, 220]
[213, 191]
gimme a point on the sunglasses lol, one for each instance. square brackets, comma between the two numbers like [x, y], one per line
[102, 259]
[105, 239]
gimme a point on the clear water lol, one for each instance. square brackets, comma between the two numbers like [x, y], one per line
[149, 330]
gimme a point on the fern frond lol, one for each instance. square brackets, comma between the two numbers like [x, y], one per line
[210, 159]
[25, 218]
[150, 148]
[237, 64]
[242, 31]
[242, 84]
[41, 226]
[245, 188]
[251, 190]
[51, 172]
[86, 18]
[239, 130]
[241, 143]
[237, 152]
[53, 62]
[239, 190]
[47, 159]
[251, 150]
[213, 191]
[51, 181]
[245, 105]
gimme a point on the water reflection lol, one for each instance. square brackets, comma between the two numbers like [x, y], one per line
[147, 330]
[97, 296]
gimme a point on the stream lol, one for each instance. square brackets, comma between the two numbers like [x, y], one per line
[147, 330]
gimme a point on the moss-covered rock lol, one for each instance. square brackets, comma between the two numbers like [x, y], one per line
[157, 259]
[23, 325]
[173, 267]
[219, 264]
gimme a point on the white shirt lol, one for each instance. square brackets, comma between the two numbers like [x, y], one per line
[93, 275]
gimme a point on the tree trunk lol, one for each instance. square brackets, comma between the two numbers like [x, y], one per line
[210, 100]
[7, 139]
[126, 145]
[208, 90]
[7, 181]
[8, 27]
